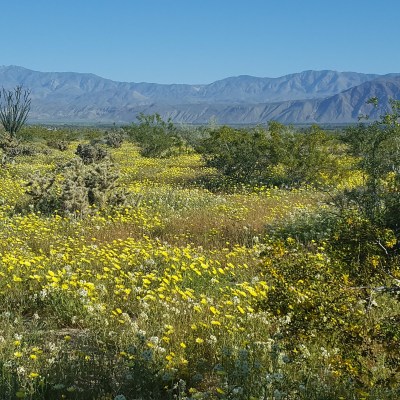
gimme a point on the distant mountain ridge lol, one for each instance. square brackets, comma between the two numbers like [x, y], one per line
[305, 97]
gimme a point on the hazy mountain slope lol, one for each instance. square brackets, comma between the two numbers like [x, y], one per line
[309, 96]
[341, 108]
[304, 85]
[87, 89]
[348, 105]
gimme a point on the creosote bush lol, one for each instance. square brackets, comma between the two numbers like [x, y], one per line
[377, 147]
[156, 137]
[275, 156]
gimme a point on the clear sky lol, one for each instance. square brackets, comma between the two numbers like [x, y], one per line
[200, 41]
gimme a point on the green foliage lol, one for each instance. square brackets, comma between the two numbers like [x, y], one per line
[37, 133]
[317, 295]
[305, 226]
[377, 147]
[238, 153]
[279, 156]
[362, 247]
[308, 157]
[156, 137]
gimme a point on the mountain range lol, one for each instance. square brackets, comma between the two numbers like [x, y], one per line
[305, 97]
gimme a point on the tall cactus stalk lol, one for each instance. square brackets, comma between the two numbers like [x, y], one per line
[14, 109]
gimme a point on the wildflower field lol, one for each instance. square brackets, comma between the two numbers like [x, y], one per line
[193, 286]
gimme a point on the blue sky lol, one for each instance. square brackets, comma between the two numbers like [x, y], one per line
[200, 41]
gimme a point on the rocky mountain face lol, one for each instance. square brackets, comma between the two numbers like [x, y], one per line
[306, 97]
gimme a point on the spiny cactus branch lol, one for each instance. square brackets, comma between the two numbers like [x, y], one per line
[14, 109]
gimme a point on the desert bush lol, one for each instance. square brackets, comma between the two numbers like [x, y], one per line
[238, 153]
[377, 146]
[364, 249]
[156, 137]
[309, 157]
[305, 226]
[65, 133]
[316, 293]
[278, 156]
[365, 238]
[27, 150]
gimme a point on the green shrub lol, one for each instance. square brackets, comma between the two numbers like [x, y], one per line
[305, 226]
[377, 147]
[363, 248]
[156, 137]
[320, 298]
[238, 153]
[10, 148]
[278, 156]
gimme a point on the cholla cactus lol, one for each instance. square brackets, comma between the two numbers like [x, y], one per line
[82, 188]
[91, 153]
[74, 193]
[61, 145]
[10, 148]
[114, 139]
[41, 190]
[101, 181]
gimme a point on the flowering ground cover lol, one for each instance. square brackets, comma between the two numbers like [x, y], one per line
[187, 293]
